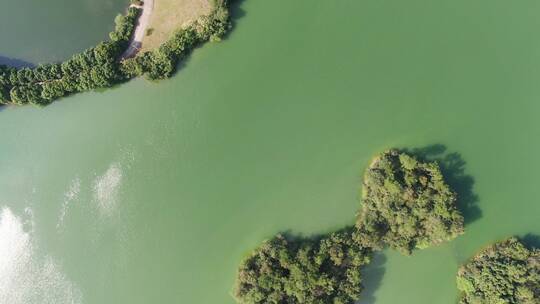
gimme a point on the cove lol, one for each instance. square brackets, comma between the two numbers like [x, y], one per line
[271, 130]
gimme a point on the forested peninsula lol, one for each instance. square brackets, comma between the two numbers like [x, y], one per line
[103, 66]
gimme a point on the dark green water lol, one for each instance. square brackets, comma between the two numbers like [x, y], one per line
[154, 192]
[35, 31]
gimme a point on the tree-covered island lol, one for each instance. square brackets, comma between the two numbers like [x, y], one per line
[504, 273]
[406, 205]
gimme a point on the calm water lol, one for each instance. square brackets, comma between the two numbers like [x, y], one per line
[154, 192]
[34, 31]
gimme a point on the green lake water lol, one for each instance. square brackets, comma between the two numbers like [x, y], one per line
[34, 31]
[154, 192]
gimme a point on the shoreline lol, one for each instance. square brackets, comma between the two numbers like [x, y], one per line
[135, 42]
[112, 61]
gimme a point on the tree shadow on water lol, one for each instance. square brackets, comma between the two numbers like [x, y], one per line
[235, 12]
[531, 240]
[297, 239]
[453, 168]
[15, 63]
[372, 276]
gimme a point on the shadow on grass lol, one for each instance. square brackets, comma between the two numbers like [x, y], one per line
[453, 168]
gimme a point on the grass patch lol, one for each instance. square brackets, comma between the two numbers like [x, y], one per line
[170, 15]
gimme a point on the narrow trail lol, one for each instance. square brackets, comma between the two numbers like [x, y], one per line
[140, 29]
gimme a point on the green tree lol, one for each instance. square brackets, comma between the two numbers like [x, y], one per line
[291, 270]
[406, 204]
[506, 272]
[102, 66]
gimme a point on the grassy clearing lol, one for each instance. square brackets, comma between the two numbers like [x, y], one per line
[170, 15]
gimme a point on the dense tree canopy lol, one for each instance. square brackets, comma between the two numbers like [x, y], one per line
[406, 204]
[504, 273]
[287, 270]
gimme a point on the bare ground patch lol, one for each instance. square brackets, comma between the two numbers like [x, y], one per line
[170, 15]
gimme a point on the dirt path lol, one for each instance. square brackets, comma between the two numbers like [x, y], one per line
[140, 29]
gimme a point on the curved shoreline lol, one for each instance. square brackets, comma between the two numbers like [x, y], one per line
[113, 61]
[142, 24]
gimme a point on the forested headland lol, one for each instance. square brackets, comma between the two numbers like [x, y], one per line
[102, 65]
[406, 205]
